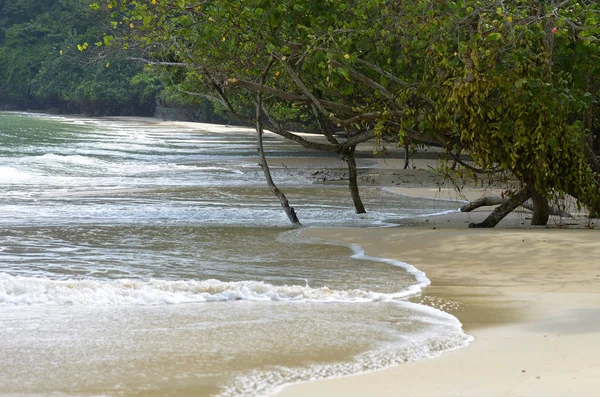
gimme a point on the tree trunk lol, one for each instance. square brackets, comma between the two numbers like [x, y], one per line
[541, 210]
[484, 201]
[348, 156]
[406, 155]
[497, 200]
[289, 210]
[504, 209]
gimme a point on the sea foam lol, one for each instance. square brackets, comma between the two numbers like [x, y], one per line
[13, 175]
[21, 290]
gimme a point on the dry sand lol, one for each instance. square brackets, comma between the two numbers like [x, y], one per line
[529, 296]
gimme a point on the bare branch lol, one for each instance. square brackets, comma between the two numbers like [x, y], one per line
[487, 201]
[384, 73]
[323, 126]
[354, 140]
[370, 83]
[289, 210]
[505, 208]
[278, 129]
[367, 117]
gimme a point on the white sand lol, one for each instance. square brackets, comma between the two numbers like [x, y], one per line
[531, 299]
[529, 296]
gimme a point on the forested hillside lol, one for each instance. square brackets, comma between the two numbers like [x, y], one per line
[42, 68]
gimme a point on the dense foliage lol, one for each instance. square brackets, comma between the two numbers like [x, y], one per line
[512, 83]
[41, 66]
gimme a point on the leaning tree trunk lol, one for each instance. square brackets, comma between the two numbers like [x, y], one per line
[504, 209]
[497, 200]
[289, 210]
[348, 156]
[541, 210]
[406, 155]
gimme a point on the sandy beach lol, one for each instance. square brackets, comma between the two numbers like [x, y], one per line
[529, 296]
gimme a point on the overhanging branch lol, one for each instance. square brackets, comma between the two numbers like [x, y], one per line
[288, 97]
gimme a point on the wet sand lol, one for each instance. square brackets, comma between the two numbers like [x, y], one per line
[529, 296]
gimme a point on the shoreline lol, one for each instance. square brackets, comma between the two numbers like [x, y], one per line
[533, 309]
[530, 297]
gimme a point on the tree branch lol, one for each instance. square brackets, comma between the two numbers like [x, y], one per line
[368, 82]
[289, 210]
[487, 201]
[160, 63]
[504, 209]
[276, 128]
[300, 84]
[289, 97]
[323, 126]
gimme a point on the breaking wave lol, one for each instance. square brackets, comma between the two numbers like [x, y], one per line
[21, 290]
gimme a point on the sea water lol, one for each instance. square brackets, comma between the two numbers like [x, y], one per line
[142, 257]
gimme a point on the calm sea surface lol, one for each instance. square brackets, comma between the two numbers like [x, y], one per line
[142, 258]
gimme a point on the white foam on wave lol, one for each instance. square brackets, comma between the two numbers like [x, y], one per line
[20, 290]
[56, 165]
[219, 169]
[13, 175]
[70, 159]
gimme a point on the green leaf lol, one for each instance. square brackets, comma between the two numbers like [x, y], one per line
[343, 72]
[494, 37]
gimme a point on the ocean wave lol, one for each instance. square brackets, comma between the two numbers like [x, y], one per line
[51, 165]
[21, 290]
[70, 159]
[219, 169]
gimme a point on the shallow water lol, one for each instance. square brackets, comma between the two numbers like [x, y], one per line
[140, 257]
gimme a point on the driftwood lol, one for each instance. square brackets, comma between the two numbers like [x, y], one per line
[487, 201]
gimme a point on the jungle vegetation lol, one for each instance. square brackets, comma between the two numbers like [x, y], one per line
[44, 66]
